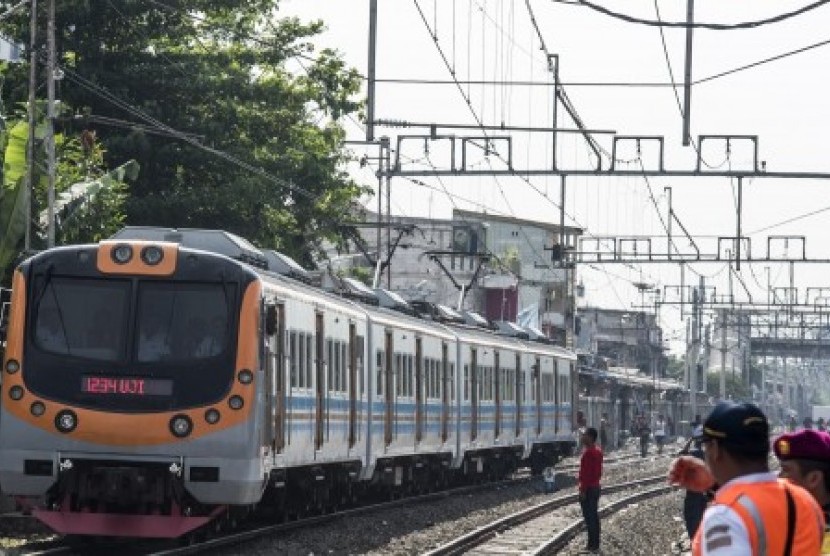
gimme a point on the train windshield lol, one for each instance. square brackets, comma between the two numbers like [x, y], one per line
[82, 317]
[182, 321]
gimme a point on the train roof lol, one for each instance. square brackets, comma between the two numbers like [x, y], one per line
[214, 241]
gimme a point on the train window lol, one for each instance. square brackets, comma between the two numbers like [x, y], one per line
[300, 363]
[309, 358]
[359, 358]
[398, 374]
[344, 365]
[292, 359]
[427, 385]
[178, 321]
[466, 382]
[379, 368]
[84, 318]
[410, 374]
[329, 364]
[452, 381]
[438, 383]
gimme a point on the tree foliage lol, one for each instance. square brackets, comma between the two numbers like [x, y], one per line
[233, 124]
[90, 199]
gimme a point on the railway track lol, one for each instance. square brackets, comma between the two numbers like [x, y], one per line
[206, 541]
[199, 544]
[539, 529]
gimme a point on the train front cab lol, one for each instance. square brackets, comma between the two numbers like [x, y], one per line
[104, 450]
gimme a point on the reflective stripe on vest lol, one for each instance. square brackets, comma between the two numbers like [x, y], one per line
[760, 531]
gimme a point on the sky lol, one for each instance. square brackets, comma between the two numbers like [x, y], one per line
[780, 101]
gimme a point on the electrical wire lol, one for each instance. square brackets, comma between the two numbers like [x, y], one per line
[710, 26]
[764, 61]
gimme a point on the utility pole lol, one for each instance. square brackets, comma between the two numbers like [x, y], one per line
[30, 143]
[694, 355]
[50, 125]
[687, 82]
[370, 86]
[723, 354]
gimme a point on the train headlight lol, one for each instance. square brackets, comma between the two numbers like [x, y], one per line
[236, 402]
[37, 409]
[212, 416]
[16, 392]
[66, 421]
[122, 254]
[12, 366]
[245, 376]
[152, 255]
[181, 426]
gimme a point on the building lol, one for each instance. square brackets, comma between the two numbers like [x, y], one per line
[629, 339]
[498, 266]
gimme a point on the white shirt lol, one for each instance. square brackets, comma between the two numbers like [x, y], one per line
[660, 428]
[723, 532]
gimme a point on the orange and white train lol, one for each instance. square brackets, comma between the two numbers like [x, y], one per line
[166, 379]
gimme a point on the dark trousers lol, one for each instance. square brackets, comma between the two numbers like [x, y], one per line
[643, 445]
[589, 502]
[693, 507]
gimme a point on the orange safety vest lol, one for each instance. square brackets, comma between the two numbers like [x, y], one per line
[763, 509]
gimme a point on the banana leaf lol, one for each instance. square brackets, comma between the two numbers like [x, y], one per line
[13, 199]
[69, 202]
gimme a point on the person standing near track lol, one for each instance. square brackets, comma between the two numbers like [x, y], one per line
[590, 473]
[753, 512]
[805, 461]
[660, 433]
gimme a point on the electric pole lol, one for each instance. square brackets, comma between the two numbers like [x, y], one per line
[30, 143]
[50, 125]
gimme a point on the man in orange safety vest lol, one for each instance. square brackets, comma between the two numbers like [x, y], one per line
[753, 512]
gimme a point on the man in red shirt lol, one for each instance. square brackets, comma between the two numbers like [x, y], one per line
[590, 472]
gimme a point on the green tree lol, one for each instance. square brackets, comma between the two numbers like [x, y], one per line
[211, 98]
[89, 203]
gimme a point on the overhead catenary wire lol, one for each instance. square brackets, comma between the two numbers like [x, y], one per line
[700, 25]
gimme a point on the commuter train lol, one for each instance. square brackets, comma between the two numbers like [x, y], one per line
[166, 379]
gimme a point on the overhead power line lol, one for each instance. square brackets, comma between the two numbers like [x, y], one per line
[710, 26]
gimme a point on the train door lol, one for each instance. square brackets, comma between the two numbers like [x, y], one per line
[352, 362]
[537, 388]
[473, 394]
[497, 380]
[282, 410]
[390, 388]
[419, 390]
[445, 393]
[519, 394]
[320, 381]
